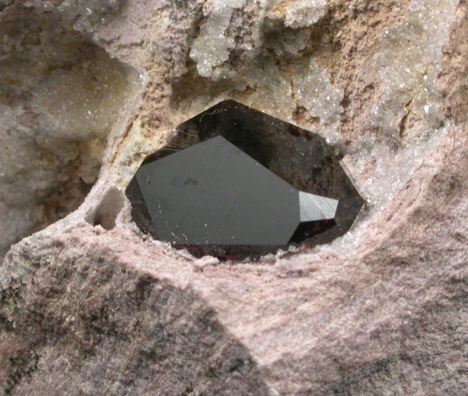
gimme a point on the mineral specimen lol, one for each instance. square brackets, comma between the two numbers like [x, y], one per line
[89, 307]
[227, 184]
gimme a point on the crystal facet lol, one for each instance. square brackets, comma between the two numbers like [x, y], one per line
[234, 182]
[213, 193]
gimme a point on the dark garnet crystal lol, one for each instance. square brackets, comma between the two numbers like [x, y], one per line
[234, 182]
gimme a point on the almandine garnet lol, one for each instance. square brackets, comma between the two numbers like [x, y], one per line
[234, 182]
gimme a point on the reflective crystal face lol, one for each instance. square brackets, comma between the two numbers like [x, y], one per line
[234, 182]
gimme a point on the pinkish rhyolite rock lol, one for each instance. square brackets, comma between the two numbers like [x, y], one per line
[90, 306]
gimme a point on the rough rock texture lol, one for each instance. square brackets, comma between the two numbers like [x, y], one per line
[90, 306]
[60, 97]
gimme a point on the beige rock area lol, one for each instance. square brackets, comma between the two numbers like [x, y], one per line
[91, 306]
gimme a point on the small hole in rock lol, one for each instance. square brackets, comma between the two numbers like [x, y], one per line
[108, 209]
